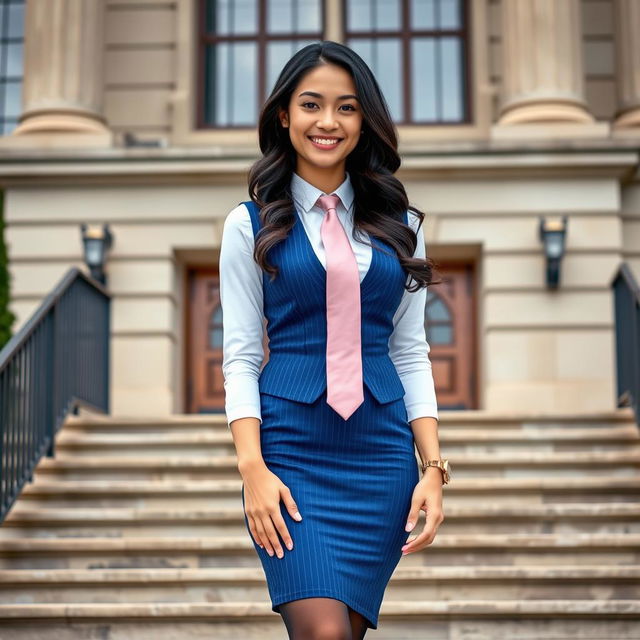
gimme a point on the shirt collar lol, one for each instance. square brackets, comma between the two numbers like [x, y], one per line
[305, 195]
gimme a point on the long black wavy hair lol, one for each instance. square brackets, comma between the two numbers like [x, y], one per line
[380, 199]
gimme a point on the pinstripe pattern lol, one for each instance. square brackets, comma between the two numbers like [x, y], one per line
[294, 304]
[352, 480]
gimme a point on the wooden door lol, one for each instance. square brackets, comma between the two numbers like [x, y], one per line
[204, 379]
[450, 324]
[205, 382]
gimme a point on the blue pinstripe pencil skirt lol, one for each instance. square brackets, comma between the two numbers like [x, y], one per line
[352, 481]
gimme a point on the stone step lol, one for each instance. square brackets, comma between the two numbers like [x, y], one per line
[460, 441]
[617, 433]
[439, 620]
[25, 522]
[205, 422]
[228, 584]
[140, 493]
[465, 419]
[193, 551]
[188, 442]
[563, 463]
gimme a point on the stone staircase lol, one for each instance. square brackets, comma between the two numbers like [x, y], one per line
[135, 531]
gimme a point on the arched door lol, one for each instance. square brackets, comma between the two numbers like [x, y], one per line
[450, 326]
[204, 379]
[205, 382]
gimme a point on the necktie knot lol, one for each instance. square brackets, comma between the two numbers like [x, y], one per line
[329, 202]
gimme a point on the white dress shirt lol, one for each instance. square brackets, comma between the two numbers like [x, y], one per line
[241, 296]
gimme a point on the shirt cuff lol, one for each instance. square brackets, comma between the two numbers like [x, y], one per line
[242, 412]
[420, 395]
[242, 398]
[422, 410]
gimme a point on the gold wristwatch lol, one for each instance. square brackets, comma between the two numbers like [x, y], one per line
[443, 465]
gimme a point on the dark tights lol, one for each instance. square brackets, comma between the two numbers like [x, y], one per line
[322, 619]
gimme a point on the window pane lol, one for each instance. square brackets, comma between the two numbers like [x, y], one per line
[280, 16]
[423, 80]
[435, 14]
[384, 56]
[387, 15]
[310, 16]
[216, 16]
[215, 58]
[451, 89]
[215, 329]
[226, 17]
[16, 21]
[450, 17]
[293, 16]
[388, 67]
[278, 52]
[231, 82]
[439, 335]
[245, 16]
[244, 78]
[8, 126]
[423, 14]
[11, 63]
[373, 15]
[216, 338]
[359, 16]
[14, 59]
[13, 99]
[437, 311]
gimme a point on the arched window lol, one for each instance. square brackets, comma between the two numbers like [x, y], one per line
[438, 320]
[215, 328]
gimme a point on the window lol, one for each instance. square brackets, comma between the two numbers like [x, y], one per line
[438, 320]
[417, 50]
[11, 50]
[243, 46]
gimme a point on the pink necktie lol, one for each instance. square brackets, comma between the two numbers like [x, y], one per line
[344, 352]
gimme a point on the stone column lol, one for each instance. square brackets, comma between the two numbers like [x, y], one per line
[62, 87]
[542, 63]
[627, 36]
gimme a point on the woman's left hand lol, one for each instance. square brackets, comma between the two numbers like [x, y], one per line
[427, 497]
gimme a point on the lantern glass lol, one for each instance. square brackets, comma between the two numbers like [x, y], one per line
[94, 251]
[553, 244]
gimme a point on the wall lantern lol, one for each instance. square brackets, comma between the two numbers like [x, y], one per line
[97, 241]
[552, 235]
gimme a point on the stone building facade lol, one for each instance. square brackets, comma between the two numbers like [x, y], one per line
[538, 116]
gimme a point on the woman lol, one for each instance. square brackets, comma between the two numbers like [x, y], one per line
[325, 434]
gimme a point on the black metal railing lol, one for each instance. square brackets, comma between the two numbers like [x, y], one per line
[56, 362]
[627, 327]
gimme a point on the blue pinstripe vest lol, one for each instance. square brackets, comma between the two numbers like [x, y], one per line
[295, 308]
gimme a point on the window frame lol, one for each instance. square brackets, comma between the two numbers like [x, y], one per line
[186, 100]
[262, 41]
[405, 35]
[5, 78]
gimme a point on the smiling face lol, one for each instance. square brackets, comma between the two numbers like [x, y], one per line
[324, 122]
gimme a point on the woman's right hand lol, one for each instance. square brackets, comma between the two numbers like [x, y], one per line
[263, 490]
